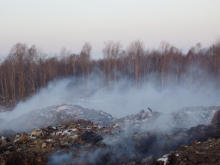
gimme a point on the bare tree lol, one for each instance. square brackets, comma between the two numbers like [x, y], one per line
[135, 51]
[111, 53]
[85, 58]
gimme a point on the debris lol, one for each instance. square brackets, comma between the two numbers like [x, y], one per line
[36, 133]
[91, 137]
[44, 145]
[164, 159]
[78, 141]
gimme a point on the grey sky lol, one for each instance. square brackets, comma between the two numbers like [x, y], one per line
[53, 24]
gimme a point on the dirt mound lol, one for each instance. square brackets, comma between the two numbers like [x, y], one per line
[138, 119]
[192, 116]
[53, 115]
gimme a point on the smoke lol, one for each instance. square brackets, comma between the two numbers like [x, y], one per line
[60, 158]
[119, 98]
[126, 146]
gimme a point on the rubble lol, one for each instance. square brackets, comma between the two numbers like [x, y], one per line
[70, 140]
[135, 120]
[91, 137]
[36, 146]
[192, 116]
[204, 153]
[163, 160]
[53, 115]
[39, 145]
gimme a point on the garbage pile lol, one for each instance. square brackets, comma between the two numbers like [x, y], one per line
[80, 136]
[203, 153]
[136, 120]
[80, 142]
[192, 116]
[36, 146]
[53, 115]
[204, 146]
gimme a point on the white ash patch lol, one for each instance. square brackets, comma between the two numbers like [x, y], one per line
[3, 138]
[164, 159]
[49, 140]
[17, 138]
[65, 132]
[32, 137]
[74, 136]
[61, 108]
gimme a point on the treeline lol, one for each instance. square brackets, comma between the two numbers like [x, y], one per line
[25, 70]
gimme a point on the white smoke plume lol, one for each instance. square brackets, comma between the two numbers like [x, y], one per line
[118, 98]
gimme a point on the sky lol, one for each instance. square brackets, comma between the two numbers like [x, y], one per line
[55, 24]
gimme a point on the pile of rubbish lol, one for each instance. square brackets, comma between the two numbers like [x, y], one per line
[192, 116]
[36, 146]
[137, 120]
[204, 153]
[74, 135]
[53, 115]
[81, 142]
[204, 146]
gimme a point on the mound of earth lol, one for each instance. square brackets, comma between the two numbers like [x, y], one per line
[138, 119]
[192, 116]
[54, 115]
[63, 114]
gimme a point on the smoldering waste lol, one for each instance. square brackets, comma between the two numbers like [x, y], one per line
[72, 138]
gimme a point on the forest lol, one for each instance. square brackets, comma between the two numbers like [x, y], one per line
[25, 70]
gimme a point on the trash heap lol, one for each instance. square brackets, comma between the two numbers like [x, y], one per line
[72, 138]
[138, 119]
[53, 115]
[81, 142]
[202, 153]
[204, 146]
[36, 146]
[192, 116]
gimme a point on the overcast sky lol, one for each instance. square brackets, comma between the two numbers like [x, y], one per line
[54, 24]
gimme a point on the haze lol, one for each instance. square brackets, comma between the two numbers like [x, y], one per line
[54, 24]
